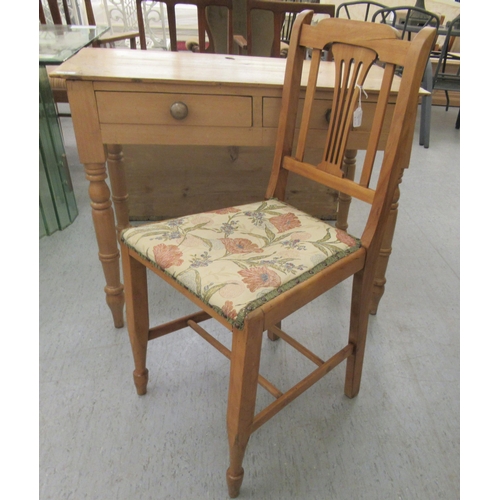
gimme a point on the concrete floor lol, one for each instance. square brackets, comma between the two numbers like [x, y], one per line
[399, 439]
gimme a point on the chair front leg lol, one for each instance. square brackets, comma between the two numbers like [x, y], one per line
[361, 296]
[245, 361]
[137, 309]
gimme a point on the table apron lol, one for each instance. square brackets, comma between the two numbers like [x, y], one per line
[212, 136]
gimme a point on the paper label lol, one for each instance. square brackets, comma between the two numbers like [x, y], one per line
[357, 117]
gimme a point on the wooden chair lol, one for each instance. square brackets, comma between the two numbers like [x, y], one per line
[203, 24]
[362, 11]
[284, 14]
[58, 85]
[408, 21]
[251, 266]
[447, 73]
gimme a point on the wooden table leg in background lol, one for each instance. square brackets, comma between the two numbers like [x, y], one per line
[349, 168]
[385, 252]
[119, 191]
[104, 225]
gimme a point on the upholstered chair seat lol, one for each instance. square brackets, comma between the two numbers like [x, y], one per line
[238, 258]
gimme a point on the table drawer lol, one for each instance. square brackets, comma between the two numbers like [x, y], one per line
[271, 111]
[155, 109]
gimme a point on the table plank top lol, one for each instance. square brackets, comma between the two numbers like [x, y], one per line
[125, 65]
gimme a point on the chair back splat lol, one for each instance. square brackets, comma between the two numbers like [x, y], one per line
[249, 267]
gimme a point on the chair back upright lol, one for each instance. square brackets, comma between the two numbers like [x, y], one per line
[362, 11]
[204, 30]
[353, 58]
[284, 13]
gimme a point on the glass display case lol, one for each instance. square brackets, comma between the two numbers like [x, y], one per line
[57, 204]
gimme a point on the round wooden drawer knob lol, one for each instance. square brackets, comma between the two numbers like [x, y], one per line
[179, 110]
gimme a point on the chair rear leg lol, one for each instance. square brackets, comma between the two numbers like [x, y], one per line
[136, 301]
[245, 361]
[272, 336]
[360, 307]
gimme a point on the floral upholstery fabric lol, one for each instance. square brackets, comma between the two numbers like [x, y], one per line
[238, 258]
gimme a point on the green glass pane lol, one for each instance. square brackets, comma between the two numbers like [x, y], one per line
[53, 164]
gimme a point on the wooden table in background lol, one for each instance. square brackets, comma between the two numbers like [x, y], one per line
[128, 97]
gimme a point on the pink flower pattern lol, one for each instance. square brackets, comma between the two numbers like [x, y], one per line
[240, 245]
[343, 237]
[260, 277]
[285, 222]
[228, 310]
[167, 255]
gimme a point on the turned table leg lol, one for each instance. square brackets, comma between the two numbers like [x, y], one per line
[349, 168]
[104, 221]
[81, 95]
[385, 252]
[119, 192]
